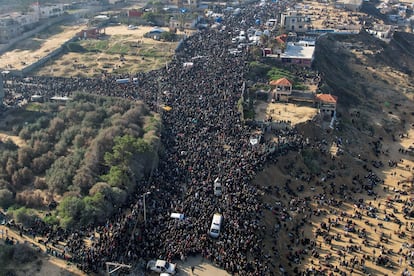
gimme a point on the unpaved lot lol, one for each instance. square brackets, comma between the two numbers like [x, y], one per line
[32, 49]
[294, 113]
[119, 51]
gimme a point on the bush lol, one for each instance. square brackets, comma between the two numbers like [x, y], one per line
[51, 220]
[6, 198]
[23, 253]
[75, 47]
[70, 210]
[258, 70]
[25, 216]
[30, 198]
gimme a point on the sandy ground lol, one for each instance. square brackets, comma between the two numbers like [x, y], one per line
[50, 265]
[30, 50]
[147, 54]
[4, 137]
[284, 112]
[324, 16]
[54, 266]
[201, 268]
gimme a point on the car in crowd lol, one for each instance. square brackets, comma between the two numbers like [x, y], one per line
[161, 266]
[216, 225]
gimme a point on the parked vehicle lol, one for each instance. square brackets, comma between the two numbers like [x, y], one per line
[217, 187]
[161, 266]
[216, 225]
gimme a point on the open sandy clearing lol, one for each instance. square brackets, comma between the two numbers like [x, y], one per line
[294, 113]
[121, 51]
[32, 49]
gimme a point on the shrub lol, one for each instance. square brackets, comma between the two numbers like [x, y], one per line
[30, 198]
[23, 253]
[70, 210]
[40, 183]
[6, 198]
[51, 220]
[75, 47]
[22, 177]
[25, 216]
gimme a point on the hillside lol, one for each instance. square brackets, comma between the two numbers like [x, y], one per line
[374, 83]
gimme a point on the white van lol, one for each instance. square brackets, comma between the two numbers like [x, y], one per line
[216, 225]
[217, 187]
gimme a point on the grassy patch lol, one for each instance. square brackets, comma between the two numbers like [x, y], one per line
[96, 45]
[36, 107]
[118, 48]
[278, 73]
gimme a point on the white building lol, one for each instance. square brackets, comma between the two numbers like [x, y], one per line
[294, 22]
[352, 5]
[48, 10]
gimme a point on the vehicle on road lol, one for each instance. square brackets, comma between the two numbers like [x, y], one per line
[161, 266]
[216, 225]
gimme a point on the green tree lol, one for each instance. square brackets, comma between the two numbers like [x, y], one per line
[25, 216]
[24, 156]
[117, 177]
[70, 210]
[22, 177]
[97, 209]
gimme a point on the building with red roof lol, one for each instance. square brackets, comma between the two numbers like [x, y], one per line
[326, 103]
[282, 88]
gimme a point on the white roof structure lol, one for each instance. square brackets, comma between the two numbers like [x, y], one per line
[298, 51]
[58, 98]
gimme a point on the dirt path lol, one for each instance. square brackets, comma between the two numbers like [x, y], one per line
[49, 265]
[4, 137]
[201, 268]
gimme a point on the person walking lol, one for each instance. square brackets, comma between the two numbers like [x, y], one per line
[192, 269]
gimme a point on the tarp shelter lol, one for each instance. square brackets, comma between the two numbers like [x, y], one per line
[156, 31]
[188, 64]
[177, 216]
[167, 108]
[122, 80]
[254, 141]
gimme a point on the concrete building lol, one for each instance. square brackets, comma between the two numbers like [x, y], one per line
[183, 23]
[9, 28]
[326, 103]
[282, 89]
[91, 33]
[182, 3]
[48, 10]
[13, 24]
[298, 53]
[351, 5]
[295, 22]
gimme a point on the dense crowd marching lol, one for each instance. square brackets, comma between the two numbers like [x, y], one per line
[204, 139]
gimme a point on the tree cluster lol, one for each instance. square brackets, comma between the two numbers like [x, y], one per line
[90, 154]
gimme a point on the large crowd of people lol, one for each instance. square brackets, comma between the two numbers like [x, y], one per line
[205, 139]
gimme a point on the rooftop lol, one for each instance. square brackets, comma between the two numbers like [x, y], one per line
[298, 51]
[327, 98]
[281, 82]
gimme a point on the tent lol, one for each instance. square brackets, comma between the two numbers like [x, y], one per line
[177, 216]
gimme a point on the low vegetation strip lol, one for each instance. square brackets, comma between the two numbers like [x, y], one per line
[85, 157]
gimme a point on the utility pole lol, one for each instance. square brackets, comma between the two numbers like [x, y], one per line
[1, 90]
[116, 266]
